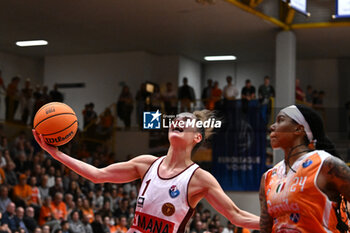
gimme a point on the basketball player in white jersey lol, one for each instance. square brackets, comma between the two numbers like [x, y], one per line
[172, 185]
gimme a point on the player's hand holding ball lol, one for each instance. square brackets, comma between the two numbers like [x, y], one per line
[55, 124]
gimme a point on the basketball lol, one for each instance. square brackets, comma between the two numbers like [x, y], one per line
[57, 123]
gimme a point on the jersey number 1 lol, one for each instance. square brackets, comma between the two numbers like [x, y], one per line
[147, 183]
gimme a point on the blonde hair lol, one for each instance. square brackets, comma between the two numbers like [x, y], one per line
[204, 115]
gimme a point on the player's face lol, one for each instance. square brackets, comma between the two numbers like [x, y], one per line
[282, 131]
[181, 128]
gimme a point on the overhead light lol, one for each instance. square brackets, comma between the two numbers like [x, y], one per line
[220, 58]
[31, 43]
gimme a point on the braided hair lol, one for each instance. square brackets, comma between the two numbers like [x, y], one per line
[322, 142]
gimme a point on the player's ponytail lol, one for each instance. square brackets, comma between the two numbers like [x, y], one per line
[320, 140]
[203, 116]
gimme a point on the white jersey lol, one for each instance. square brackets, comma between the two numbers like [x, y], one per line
[162, 204]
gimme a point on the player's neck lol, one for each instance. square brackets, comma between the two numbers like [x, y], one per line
[178, 157]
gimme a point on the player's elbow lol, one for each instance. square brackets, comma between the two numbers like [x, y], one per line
[97, 177]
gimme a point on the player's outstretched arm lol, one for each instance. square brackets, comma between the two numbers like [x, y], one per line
[265, 218]
[116, 173]
[224, 205]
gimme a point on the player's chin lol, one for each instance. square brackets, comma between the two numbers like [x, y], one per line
[274, 143]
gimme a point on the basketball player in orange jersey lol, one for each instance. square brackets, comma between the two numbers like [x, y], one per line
[171, 185]
[303, 192]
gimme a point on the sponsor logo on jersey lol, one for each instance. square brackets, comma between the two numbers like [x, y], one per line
[140, 202]
[307, 163]
[173, 191]
[282, 207]
[280, 187]
[294, 217]
[168, 209]
[148, 223]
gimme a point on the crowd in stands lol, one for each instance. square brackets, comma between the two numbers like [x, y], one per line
[27, 100]
[311, 97]
[170, 101]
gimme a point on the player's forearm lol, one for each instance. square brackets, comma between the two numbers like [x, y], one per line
[84, 169]
[246, 220]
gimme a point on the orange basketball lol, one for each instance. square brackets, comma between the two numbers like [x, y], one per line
[57, 123]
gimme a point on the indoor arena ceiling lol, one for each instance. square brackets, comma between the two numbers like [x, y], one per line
[167, 27]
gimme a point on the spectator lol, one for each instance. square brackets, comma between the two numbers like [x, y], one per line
[170, 99]
[318, 102]
[68, 200]
[198, 227]
[266, 91]
[248, 91]
[106, 224]
[10, 174]
[43, 188]
[3, 161]
[299, 93]
[58, 207]
[38, 230]
[123, 208]
[206, 93]
[2, 84]
[75, 224]
[105, 124]
[106, 209]
[230, 228]
[97, 224]
[46, 229]
[156, 99]
[51, 174]
[46, 214]
[122, 226]
[26, 101]
[142, 97]
[35, 199]
[125, 106]
[58, 187]
[133, 198]
[12, 98]
[22, 192]
[87, 210]
[2, 175]
[89, 119]
[86, 224]
[230, 91]
[29, 219]
[65, 227]
[4, 199]
[186, 96]
[216, 94]
[74, 189]
[9, 216]
[55, 95]
[308, 96]
[19, 219]
[98, 199]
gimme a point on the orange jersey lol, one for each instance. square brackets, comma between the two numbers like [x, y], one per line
[294, 201]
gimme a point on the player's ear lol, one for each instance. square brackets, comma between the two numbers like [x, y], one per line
[198, 137]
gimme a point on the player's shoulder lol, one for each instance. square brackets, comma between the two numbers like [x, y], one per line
[203, 177]
[146, 159]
